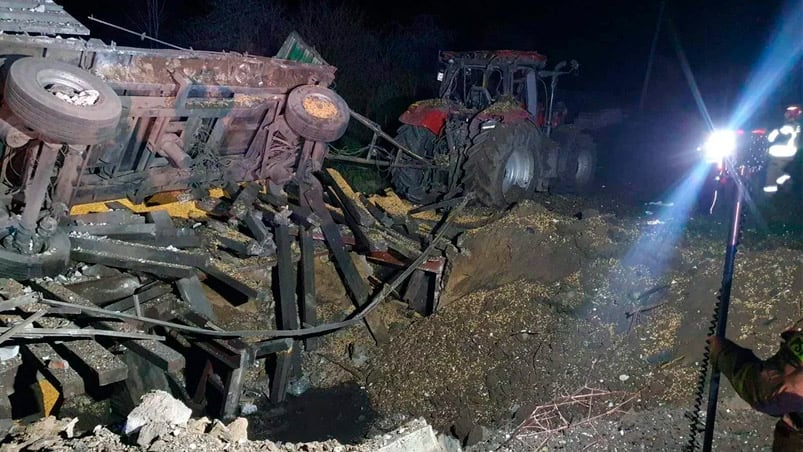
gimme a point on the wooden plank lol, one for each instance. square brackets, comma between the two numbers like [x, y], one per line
[87, 356]
[140, 251]
[309, 313]
[192, 292]
[288, 310]
[213, 271]
[161, 269]
[356, 286]
[67, 381]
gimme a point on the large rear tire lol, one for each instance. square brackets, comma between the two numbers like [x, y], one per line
[502, 165]
[413, 183]
[30, 94]
[577, 160]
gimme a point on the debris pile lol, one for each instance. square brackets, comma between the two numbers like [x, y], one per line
[161, 426]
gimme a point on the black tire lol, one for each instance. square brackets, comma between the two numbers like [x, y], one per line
[502, 165]
[328, 124]
[577, 160]
[50, 262]
[56, 120]
[412, 183]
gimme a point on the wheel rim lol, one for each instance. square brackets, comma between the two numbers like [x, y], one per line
[51, 77]
[518, 170]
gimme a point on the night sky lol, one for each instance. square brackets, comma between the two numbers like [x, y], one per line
[611, 39]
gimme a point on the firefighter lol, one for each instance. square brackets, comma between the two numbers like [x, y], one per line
[773, 386]
[783, 146]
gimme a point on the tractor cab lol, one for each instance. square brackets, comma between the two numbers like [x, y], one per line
[479, 79]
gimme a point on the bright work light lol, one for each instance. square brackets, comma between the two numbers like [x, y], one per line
[720, 145]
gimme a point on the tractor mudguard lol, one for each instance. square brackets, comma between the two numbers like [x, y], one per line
[508, 112]
[431, 114]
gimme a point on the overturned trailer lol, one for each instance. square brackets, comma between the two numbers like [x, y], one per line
[86, 121]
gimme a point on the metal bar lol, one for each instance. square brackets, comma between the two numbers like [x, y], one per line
[10, 332]
[142, 36]
[143, 296]
[36, 189]
[38, 333]
[437, 205]
[376, 129]
[361, 160]
[722, 310]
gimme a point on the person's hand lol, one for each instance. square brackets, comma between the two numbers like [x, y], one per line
[715, 344]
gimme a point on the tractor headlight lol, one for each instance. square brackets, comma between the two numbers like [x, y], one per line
[720, 145]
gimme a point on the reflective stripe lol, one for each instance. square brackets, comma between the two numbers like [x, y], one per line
[773, 135]
[770, 188]
[781, 180]
[782, 150]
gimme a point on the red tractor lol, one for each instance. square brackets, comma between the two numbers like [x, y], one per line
[495, 131]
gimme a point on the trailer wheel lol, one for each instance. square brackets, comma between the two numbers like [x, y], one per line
[31, 91]
[50, 261]
[412, 183]
[501, 165]
[577, 159]
[317, 113]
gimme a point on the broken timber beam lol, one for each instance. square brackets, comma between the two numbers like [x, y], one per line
[356, 286]
[192, 292]
[309, 314]
[288, 310]
[160, 261]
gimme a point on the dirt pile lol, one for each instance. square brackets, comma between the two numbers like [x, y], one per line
[51, 434]
[541, 304]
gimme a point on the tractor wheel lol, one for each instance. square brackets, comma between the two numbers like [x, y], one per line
[501, 165]
[412, 183]
[50, 261]
[64, 103]
[577, 159]
[317, 113]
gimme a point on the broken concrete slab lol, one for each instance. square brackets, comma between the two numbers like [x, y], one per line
[417, 436]
[157, 407]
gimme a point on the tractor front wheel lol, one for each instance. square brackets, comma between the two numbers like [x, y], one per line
[577, 159]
